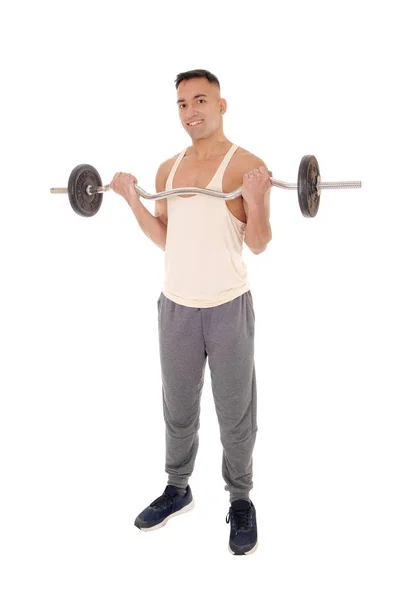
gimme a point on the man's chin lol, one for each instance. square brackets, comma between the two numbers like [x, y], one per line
[194, 135]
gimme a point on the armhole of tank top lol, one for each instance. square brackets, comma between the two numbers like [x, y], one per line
[239, 223]
[236, 221]
[221, 166]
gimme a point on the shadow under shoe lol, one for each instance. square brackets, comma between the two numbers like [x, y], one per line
[169, 505]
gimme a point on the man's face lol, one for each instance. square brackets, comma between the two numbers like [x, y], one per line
[199, 100]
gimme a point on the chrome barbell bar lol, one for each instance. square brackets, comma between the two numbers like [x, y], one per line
[229, 196]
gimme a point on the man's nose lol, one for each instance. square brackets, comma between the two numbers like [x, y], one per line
[192, 111]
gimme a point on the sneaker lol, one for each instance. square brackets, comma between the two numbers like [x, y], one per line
[243, 530]
[169, 505]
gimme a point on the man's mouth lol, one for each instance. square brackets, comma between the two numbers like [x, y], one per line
[195, 123]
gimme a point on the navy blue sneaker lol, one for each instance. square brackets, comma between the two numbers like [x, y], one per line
[243, 530]
[169, 505]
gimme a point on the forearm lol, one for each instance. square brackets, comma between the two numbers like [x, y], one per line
[258, 232]
[152, 226]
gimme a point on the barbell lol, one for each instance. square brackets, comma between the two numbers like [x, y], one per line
[85, 188]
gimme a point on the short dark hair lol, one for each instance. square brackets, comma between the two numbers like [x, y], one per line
[196, 73]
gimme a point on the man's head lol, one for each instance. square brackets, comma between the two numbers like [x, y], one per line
[198, 99]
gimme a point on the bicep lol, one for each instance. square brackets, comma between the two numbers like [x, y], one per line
[161, 210]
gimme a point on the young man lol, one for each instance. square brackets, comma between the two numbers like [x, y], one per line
[205, 309]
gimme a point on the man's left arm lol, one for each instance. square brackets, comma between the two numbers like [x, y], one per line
[256, 188]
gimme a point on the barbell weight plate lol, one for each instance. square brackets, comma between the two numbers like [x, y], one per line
[82, 203]
[308, 195]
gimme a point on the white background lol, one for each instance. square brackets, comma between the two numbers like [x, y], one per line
[81, 423]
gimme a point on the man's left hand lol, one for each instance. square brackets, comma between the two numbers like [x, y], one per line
[255, 185]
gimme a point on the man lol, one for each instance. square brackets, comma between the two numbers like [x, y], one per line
[205, 309]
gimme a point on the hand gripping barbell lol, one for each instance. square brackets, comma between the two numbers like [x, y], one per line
[85, 189]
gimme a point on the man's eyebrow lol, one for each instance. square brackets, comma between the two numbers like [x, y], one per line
[196, 96]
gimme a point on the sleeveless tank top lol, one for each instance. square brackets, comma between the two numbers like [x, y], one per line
[203, 264]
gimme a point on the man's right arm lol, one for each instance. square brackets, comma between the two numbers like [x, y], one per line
[154, 226]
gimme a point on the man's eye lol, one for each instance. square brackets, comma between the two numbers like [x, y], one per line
[200, 100]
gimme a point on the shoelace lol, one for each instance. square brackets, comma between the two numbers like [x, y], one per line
[162, 502]
[241, 519]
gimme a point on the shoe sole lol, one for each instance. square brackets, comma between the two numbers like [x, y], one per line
[243, 553]
[175, 514]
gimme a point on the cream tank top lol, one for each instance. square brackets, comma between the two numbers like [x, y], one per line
[203, 264]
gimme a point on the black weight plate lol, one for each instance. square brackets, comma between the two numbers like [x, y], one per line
[82, 203]
[308, 195]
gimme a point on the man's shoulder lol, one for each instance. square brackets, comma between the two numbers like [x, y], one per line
[166, 166]
[247, 161]
[163, 172]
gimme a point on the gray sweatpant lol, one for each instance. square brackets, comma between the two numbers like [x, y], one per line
[225, 335]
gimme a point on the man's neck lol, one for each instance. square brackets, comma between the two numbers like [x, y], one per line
[210, 147]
